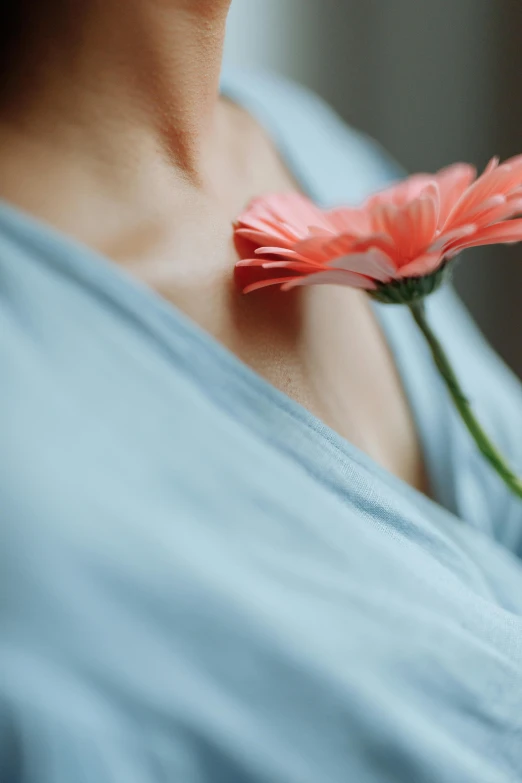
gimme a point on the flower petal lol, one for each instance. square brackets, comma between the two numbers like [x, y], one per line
[494, 180]
[500, 233]
[331, 277]
[339, 245]
[423, 215]
[399, 193]
[378, 241]
[265, 283]
[294, 266]
[384, 217]
[266, 230]
[448, 238]
[452, 182]
[278, 251]
[497, 209]
[373, 263]
[349, 221]
[317, 248]
[411, 227]
[260, 237]
[424, 265]
[492, 165]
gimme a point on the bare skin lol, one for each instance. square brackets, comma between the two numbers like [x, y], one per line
[118, 137]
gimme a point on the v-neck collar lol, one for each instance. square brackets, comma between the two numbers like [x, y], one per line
[257, 401]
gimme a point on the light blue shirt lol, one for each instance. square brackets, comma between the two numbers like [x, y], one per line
[200, 581]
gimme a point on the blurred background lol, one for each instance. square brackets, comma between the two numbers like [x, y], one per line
[433, 82]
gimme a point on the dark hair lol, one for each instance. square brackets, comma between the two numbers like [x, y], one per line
[11, 16]
[27, 29]
[24, 26]
[18, 21]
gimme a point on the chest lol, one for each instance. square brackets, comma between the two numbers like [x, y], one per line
[322, 346]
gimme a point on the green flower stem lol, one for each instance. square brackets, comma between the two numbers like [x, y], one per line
[493, 456]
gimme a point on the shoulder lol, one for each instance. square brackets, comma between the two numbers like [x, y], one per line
[337, 164]
[334, 161]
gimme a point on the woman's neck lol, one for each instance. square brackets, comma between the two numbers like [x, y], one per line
[119, 101]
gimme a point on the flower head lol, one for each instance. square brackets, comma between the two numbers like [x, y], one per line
[397, 244]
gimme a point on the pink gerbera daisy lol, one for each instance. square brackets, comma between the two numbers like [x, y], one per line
[397, 244]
